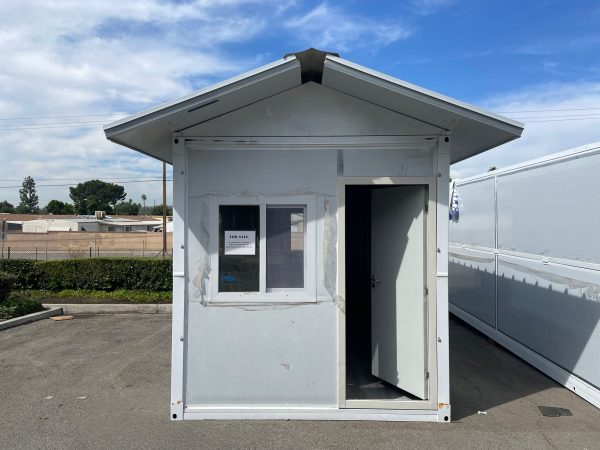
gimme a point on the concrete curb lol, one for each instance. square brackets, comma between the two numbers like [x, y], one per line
[55, 310]
[118, 308]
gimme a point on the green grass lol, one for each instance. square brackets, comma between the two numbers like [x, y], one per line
[92, 296]
[10, 309]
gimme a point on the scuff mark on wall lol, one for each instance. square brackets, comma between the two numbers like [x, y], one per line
[340, 302]
[329, 250]
[202, 262]
[264, 306]
[258, 194]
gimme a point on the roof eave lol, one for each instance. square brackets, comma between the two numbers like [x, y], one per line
[192, 101]
[434, 98]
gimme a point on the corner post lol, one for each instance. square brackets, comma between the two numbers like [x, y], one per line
[443, 180]
[179, 278]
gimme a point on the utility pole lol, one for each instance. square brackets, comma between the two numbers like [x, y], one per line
[3, 232]
[164, 201]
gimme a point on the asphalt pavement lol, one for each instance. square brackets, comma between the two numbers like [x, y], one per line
[102, 381]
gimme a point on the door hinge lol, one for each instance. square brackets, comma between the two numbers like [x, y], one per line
[426, 207]
[427, 375]
[426, 291]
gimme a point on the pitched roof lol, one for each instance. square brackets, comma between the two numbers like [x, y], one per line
[473, 129]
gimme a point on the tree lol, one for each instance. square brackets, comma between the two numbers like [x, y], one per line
[6, 207]
[29, 197]
[144, 198]
[127, 208]
[96, 195]
[58, 207]
[157, 211]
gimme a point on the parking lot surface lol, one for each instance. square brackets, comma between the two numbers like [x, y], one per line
[103, 382]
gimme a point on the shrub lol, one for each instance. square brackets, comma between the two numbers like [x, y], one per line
[88, 296]
[7, 282]
[25, 271]
[102, 274]
[17, 308]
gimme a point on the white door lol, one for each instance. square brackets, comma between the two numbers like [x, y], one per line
[398, 281]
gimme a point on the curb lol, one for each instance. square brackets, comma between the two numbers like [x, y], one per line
[113, 308]
[55, 310]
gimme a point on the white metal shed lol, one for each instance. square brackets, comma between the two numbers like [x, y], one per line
[311, 240]
[525, 263]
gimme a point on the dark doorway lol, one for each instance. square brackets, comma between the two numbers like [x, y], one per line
[360, 383]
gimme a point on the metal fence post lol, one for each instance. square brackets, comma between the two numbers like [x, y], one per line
[90, 252]
[36, 253]
[9, 252]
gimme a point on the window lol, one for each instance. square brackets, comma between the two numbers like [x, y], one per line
[239, 258]
[285, 247]
[262, 249]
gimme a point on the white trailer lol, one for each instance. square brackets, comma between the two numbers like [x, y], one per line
[310, 240]
[525, 263]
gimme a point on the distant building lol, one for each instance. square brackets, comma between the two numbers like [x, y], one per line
[103, 225]
[159, 228]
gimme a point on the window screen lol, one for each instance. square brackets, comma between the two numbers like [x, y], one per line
[285, 247]
[239, 258]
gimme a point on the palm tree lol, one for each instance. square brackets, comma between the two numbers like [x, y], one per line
[144, 198]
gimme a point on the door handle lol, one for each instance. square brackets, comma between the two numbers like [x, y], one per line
[374, 281]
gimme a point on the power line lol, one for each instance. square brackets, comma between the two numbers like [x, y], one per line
[562, 120]
[590, 116]
[71, 184]
[126, 114]
[50, 124]
[17, 128]
[547, 110]
[64, 117]
[83, 178]
[98, 123]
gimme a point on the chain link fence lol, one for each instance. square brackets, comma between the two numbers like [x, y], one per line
[51, 246]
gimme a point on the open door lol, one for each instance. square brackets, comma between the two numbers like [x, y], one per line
[398, 287]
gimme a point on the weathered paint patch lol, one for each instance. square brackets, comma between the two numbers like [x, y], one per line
[202, 261]
[329, 249]
[340, 303]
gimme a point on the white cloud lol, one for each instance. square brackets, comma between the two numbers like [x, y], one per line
[428, 7]
[557, 122]
[331, 28]
[71, 57]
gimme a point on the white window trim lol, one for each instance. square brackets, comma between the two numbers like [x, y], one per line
[293, 295]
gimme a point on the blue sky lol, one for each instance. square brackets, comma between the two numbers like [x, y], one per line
[70, 66]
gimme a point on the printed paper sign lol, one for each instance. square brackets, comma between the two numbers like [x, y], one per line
[240, 242]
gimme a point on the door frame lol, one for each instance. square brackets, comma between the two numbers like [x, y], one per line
[431, 277]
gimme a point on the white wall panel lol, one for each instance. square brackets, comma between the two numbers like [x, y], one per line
[477, 222]
[552, 210]
[388, 162]
[263, 355]
[473, 282]
[547, 278]
[554, 310]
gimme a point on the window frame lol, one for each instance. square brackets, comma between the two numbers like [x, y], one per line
[305, 264]
[308, 294]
